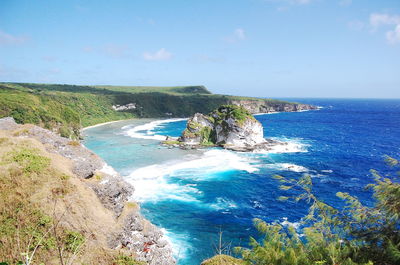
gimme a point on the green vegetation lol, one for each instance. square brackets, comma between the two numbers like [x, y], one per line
[171, 142]
[219, 116]
[223, 260]
[356, 234]
[225, 112]
[67, 108]
[29, 160]
[126, 260]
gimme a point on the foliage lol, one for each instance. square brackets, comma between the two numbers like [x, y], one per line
[356, 234]
[223, 260]
[171, 142]
[30, 160]
[126, 260]
[67, 108]
[238, 113]
[73, 240]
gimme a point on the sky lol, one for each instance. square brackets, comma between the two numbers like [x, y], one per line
[263, 48]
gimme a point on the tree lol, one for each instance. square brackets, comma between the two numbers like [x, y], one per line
[356, 234]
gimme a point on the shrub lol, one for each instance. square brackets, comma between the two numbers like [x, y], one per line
[356, 234]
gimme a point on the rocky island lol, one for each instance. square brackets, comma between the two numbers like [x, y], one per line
[231, 127]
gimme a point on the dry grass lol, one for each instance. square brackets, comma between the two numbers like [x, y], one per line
[74, 143]
[47, 214]
[223, 260]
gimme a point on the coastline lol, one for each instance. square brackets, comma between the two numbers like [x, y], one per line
[256, 114]
[104, 123]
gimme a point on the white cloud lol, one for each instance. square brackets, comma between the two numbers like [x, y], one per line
[378, 20]
[8, 39]
[345, 2]
[160, 55]
[237, 35]
[393, 36]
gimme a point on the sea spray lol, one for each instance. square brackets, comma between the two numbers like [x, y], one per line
[146, 131]
[153, 182]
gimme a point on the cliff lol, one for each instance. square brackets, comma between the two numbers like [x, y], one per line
[266, 106]
[59, 201]
[67, 108]
[230, 126]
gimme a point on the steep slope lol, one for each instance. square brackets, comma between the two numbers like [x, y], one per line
[61, 204]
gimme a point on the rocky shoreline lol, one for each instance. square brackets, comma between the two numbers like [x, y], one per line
[264, 106]
[231, 127]
[133, 233]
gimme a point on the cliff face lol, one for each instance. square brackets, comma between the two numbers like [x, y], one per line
[97, 206]
[229, 126]
[260, 106]
[66, 108]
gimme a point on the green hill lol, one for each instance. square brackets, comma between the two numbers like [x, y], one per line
[68, 108]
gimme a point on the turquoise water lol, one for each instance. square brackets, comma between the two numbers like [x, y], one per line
[195, 194]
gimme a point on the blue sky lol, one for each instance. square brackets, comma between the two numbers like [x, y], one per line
[265, 48]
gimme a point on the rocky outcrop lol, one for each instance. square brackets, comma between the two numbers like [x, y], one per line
[134, 233]
[230, 126]
[266, 106]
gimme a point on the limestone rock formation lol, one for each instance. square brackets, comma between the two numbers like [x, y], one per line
[230, 126]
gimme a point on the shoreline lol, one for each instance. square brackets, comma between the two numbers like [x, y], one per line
[256, 114]
[104, 123]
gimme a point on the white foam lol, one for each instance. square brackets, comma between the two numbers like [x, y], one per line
[291, 146]
[287, 167]
[152, 182]
[223, 204]
[180, 243]
[106, 169]
[146, 131]
[285, 222]
[265, 113]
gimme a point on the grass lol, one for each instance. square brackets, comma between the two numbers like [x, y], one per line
[223, 260]
[67, 108]
[26, 231]
[74, 143]
[47, 215]
[171, 142]
[29, 160]
[126, 260]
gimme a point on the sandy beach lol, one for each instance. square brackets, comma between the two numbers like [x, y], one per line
[104, 123]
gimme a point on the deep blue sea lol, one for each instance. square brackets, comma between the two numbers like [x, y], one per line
[195, 194]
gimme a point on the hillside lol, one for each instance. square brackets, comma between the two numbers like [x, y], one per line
[67, 108]
[54, 191]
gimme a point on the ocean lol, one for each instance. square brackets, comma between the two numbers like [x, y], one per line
[193, 195]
